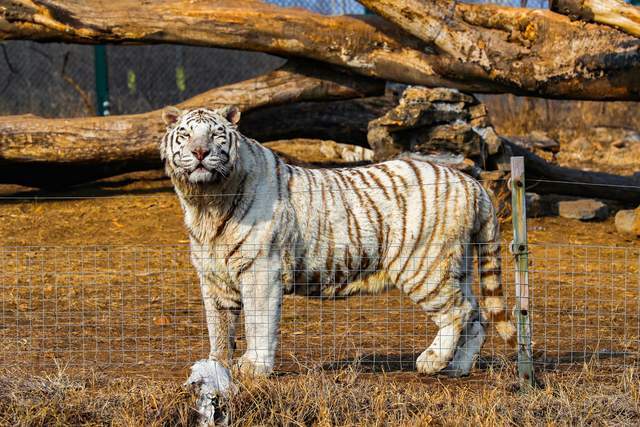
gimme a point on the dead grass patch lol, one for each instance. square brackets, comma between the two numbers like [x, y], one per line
[344, 398]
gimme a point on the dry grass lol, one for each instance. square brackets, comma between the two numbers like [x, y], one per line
[90, 399]
[338, 398]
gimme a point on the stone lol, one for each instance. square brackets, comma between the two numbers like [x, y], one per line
[628, 222]
[583, 209]
[431, 121]
[604, 149]
[540, 206]
[346, 152]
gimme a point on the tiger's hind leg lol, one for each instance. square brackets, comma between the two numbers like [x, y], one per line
[450, 321]
[473, 334]
[440, 295]
[471, 341]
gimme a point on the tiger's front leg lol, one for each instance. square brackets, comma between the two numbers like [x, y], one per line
[222, 317]
[261, 289]
[211, 377]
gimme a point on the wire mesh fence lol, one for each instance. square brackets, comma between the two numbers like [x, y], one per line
[585, 305]
[133, 308]
[139, 309]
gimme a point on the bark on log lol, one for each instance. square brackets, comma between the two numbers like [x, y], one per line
[615, 13]
[40, 152]
[533, 50]
[478, 48]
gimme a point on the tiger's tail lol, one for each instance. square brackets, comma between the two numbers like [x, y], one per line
[487, 242]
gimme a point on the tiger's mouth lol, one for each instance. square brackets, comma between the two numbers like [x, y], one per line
[208, 172]
[200, 168]
[201, 175]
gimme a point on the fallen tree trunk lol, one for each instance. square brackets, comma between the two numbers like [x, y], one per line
[535, 50]
[546, 178]
[475, 48]
[40, 152]
[343, 120]
[70, 151]
[615, 13]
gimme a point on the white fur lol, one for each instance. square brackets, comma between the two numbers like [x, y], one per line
[493, 304]
[213, 381]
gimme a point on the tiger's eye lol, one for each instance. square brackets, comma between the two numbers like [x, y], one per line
[181, 138]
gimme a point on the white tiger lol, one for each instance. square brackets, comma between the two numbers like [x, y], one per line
[260, 227]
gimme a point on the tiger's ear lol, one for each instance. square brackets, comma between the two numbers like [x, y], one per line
[171, 115]
[231, 113]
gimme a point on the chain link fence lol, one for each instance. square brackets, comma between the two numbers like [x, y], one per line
[58, 80]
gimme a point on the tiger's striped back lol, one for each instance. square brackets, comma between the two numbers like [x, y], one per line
[404, 222]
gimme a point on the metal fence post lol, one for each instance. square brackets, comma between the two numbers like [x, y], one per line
[102, 80]
[520, 250]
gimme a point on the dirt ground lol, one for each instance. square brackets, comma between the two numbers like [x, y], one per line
[99, 278]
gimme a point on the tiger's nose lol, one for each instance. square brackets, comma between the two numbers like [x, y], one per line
[200, 153]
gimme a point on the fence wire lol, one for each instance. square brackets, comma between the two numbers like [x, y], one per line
[585, 305]
[139, 309]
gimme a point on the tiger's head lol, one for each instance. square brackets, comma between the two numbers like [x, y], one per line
[200, 145]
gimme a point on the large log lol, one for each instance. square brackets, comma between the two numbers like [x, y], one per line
[58, 152]
[535, 51]
[475, 48]
[41, 152]
[546, 178]
[343, 120]
[616, 13]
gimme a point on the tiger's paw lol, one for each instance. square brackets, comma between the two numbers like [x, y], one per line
[254, 367]
[429, 362]
[467, 351]
[213, 384]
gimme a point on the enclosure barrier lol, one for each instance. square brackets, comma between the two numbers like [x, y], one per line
[139, 309]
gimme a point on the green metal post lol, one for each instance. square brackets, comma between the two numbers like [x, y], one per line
[102, 80]
[520, 250]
